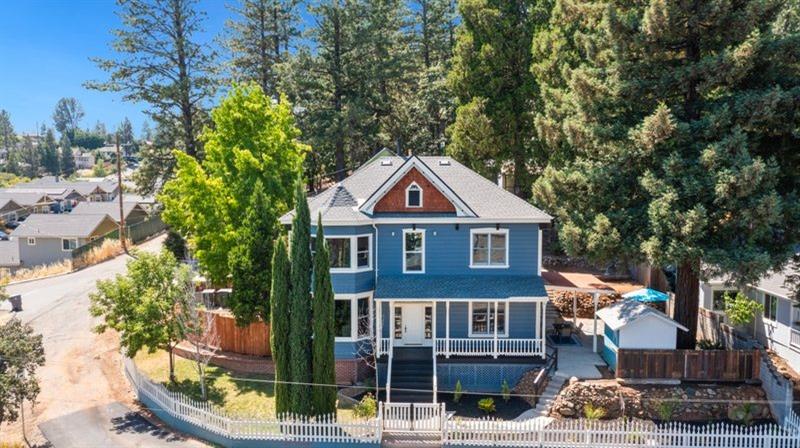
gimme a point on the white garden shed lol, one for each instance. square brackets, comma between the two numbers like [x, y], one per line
[632, 324]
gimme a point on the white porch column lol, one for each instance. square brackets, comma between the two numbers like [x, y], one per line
[595, 299]
[433, 326]
[391, 323]
[447, 329]
[543, 332]
[379, 326]
[495, 328]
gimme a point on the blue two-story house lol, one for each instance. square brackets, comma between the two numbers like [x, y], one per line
[437, 275]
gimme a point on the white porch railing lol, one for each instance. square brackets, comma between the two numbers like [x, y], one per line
[489, 347]
[794, 338]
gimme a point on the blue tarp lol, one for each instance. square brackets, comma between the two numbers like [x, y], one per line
[646, 295]
[459, 286]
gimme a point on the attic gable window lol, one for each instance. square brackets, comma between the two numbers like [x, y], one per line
[413, 196]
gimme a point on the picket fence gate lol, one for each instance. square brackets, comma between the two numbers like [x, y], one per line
[615, 434]
[287, 427]
[413, 417]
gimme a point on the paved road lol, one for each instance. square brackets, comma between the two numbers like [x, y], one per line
[85, 400]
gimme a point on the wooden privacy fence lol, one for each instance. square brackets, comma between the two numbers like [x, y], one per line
[689, 365]
[250, 340]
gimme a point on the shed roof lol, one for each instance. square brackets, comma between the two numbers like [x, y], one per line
[628, 311]
[439, 287]
[60, 225]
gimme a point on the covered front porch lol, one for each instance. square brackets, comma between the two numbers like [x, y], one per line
[511, 327]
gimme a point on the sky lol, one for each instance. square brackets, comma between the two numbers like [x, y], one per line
[45, 46]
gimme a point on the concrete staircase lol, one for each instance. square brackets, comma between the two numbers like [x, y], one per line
[412, 375]
[549, 394]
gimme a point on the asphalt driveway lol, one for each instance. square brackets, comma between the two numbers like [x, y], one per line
[85, 399]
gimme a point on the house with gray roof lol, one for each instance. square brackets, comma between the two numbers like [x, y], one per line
[99, 191]
[131, 211]
[19, 204]
[46, 239]
[777, 328]
[432, 262]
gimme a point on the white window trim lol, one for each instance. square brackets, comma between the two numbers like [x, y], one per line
[31, 241]
[353, 298]
[489, 231]
[403, 245]
[414, 184]
[764, 302]
[491, 331]
[715, 289]
[353, 253]
[68, 239]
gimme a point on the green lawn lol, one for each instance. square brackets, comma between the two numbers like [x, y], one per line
[239, 394]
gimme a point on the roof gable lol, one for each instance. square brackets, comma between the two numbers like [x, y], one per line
[415, 170]
[432, 199]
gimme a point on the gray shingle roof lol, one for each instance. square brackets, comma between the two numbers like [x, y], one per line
[459, 287]
[105, 208]
[82, 187]
[59, 225]
[486, 199]
[24, 198]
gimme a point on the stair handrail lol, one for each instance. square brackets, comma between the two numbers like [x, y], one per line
[389, 371]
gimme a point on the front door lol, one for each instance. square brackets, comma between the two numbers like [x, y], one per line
[413, 324]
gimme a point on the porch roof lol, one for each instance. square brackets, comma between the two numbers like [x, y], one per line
[460, 287]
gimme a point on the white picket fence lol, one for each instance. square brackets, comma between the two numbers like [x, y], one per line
[614, 434]
[416, 417]
[290, 428]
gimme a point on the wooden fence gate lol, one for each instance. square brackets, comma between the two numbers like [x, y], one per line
[413, 417]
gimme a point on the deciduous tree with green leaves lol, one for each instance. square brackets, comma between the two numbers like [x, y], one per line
[324, 364]
[253, 140]
[145, 305]
[280, 324]
[300, 311]
[682, 118]
[67, 115]
[21, 353]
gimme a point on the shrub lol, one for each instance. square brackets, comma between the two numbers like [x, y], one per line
[707, 344]
[593, 413]
[457, 392]
[486, 405]
[744, 414]
[506, 391]
[666, 409]
[741, 309]
[367, 407]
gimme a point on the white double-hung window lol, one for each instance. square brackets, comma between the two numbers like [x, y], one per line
[488, 248]
[482, 317]
[348, 253]
[413, 251]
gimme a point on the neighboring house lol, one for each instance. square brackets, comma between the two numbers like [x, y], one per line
[45, 239]
[10, 210]
[90, 190]
[131, 211]
[31, 202]
[9, 255]
[84, 160]
[632, 324]
[778, 328]
[435, 268]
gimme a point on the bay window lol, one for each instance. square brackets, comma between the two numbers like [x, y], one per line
[353, 316]
[348, 253]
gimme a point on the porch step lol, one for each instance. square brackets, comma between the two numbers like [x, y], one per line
[413, 353]
[549, 395]
[412, 375]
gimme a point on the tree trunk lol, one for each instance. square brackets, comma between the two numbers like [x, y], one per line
[172, 378]
[687, 296]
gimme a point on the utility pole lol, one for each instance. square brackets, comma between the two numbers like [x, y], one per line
[119, 197]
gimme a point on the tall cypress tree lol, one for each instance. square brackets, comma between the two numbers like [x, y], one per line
[300, 332]
[250, 260]
[686, 122]
[324, 368]
[279, 325]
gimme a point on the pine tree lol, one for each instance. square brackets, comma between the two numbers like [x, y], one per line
[8, 140]
[677, 151]
[29, 157]
[280, 321]
[250, 260]
[324, 365]
[260, 39]
[67, 158]
[300, 306]
[50, 160]
[491, 68]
